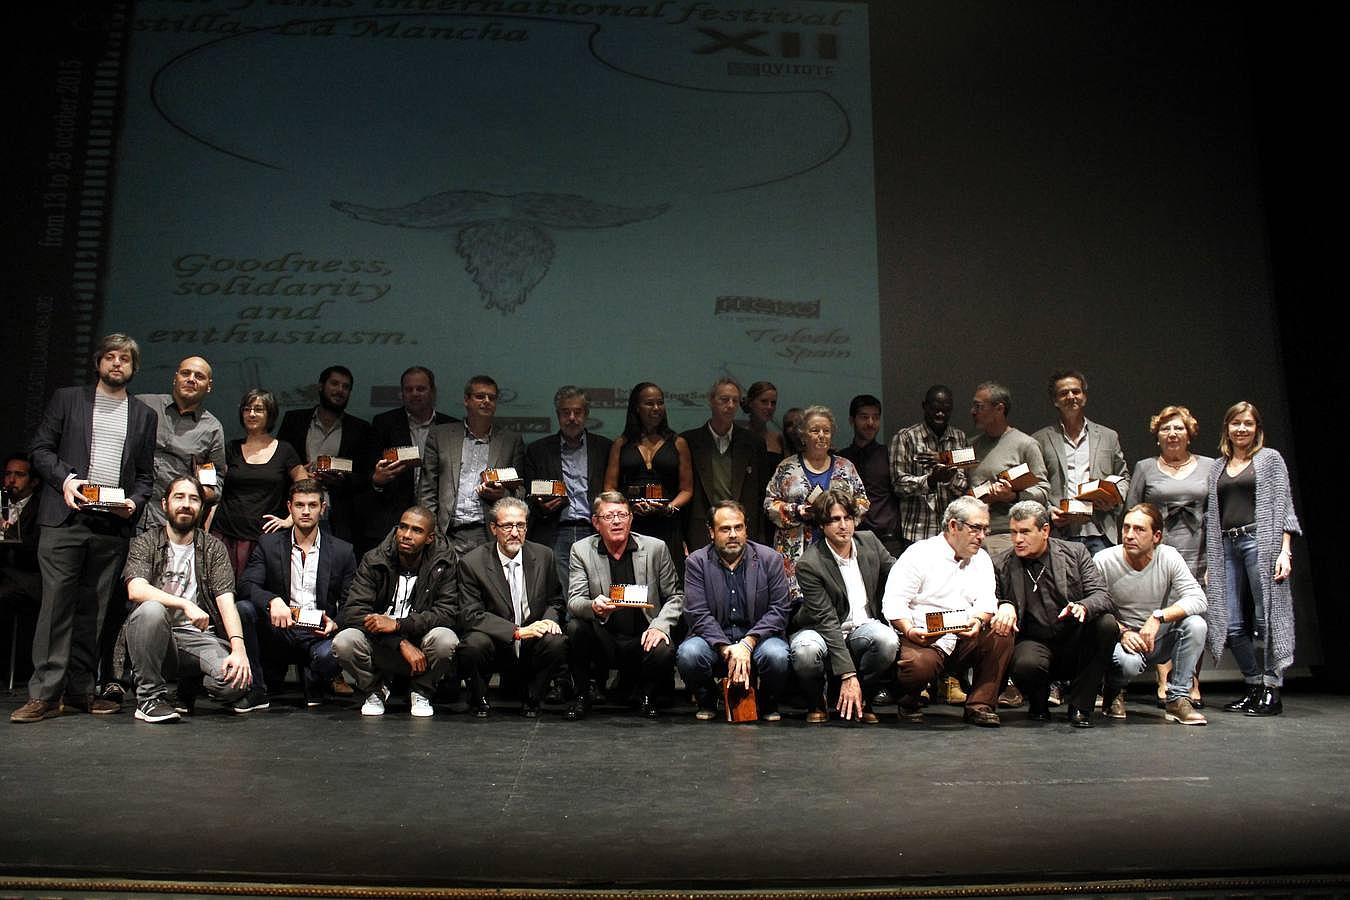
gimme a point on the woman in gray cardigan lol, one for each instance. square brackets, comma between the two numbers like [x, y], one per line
[1250, 520]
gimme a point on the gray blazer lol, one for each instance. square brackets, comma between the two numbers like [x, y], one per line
[1106, 459]
[588, 578]
[441, 463]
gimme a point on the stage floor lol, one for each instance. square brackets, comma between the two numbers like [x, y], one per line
[325, 796]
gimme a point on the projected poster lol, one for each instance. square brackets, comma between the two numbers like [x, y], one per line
[545, 191]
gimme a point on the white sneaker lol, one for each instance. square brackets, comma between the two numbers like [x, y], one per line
[421, 705]
[374, 705]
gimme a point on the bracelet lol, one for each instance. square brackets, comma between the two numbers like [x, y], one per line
[237, 637]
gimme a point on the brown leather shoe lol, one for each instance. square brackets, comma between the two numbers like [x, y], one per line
[868, 717]
[88, 703]
[1011, 697]
[1182, 712]
[36, 710]
[982, 716]
[817, 717]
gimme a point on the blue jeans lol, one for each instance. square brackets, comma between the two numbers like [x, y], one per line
[1241, 573]
[568, 533]
[873, 646]
[1182, 642]
[699, 664]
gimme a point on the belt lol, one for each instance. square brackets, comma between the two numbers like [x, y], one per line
[1234, 533]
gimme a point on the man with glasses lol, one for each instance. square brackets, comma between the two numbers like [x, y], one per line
[950, 575]
[632, 632]
[511, 610]
[456, 457]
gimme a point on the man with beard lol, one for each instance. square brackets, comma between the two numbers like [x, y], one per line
[299, 569]
[1054, 599]
[96, 435]
[187, 437]
[872, 461]
[457, 455]
[736, 603]
[512, 612]
[328, 431]
[185, 624]
[577, 458]
[399, 615]
[923, 484]
[393, 485]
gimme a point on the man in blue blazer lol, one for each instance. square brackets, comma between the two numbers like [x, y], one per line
[300, 568]
[98, 435]
[736, 604]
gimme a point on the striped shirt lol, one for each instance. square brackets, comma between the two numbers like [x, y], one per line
[110, 435]
[922, 504]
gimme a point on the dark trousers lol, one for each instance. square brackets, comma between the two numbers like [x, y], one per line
[1079, 654]
[987, 653]
[80, 563]
[540, 660]
[311, 651]
[253, 622]
[594, 647]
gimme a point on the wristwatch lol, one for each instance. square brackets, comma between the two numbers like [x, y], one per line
[1160, 615]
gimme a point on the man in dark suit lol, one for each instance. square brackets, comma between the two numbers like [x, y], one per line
[20, 583]
[295, 569]
[1054, 597]
[839, 630]
[457, 454]
[736, 602]
[97, 435]
[575, 457]
[393, 485]
[511, 610]
[727, 461]
[327, 430]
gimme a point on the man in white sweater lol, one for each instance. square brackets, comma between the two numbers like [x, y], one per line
[1161, 609]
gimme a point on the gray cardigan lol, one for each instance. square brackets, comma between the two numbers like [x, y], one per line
[1274, 516]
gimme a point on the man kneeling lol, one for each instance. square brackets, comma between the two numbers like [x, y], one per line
[184, 623]
[398, 614]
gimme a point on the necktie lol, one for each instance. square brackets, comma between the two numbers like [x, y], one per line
[517, 595]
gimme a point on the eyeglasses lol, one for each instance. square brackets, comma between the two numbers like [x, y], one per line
[615, 516]
[509, 526]
[974, 529]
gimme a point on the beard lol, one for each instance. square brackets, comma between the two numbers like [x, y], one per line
[181, 527]
[114, 381]
[329, 405]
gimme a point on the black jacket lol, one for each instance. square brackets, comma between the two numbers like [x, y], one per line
[435, 601]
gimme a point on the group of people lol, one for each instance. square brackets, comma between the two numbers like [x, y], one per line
[438, 552]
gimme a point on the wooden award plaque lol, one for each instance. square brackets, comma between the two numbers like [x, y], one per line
[629, 596]
[1020, 477]
[961, 458]
[1074, 512]
[408, 455]
[1103, 490]
[740, 702]
[947, 621]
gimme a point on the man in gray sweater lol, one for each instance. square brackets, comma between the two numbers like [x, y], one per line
[998, 448]
[1161, 609]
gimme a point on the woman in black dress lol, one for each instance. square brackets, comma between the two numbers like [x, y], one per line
[650, 459]
[261, 470]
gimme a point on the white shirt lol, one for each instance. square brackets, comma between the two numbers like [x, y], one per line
[929, 578]
[723, 441]
[853, 586]
[401, 604]
[304, 574]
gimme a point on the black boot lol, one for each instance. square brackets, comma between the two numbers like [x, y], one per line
[1247, 702]
[1267, 703]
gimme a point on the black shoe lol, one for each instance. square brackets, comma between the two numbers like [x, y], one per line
[882, 697]
[156, 710]
[1246, 702]
[315, 688]
[1080, 718]
[184, 699]
[1267, 703]
[1039, 712]
[577, 709]
[647, 706]
[530, 709]
[481, 708]
[254, 701]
